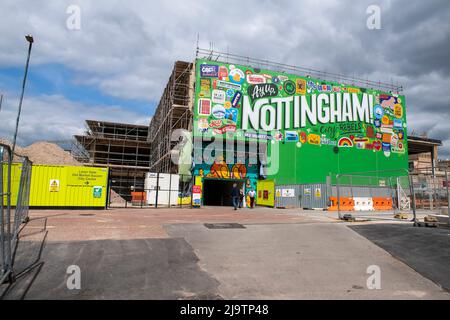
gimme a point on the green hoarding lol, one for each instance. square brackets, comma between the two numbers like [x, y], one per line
[316, 127]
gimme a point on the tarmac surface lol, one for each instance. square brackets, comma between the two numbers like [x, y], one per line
[426, 250]
[301, 261]
[171, 254]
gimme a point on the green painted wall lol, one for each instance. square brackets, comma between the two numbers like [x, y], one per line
[353, 129]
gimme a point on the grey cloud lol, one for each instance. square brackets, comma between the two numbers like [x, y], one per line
[127, 49]
[53, 117]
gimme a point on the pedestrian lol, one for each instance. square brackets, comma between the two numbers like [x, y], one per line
[252, 195]
[241, 198]
[235, 196]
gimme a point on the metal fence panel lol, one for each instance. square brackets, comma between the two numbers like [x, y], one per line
[362, 191]
[151, 190]
[11, 222]
[5, 213]
[23, 199]
[307, 196]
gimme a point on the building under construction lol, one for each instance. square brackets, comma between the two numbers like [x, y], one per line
[223, 95]
[174, 111]
[121, 147]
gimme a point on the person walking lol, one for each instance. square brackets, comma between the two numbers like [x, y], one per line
[252, 195]
[241, 198]
[235, 196]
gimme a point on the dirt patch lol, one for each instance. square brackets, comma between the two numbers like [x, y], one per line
[43, 152]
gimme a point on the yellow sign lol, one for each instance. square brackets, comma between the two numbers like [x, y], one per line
[84, 176]
[54, 185]
[318, 193]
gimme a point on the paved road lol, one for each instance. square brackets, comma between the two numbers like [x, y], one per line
[115, 269]
[301, 261]
[426, 250]
[147, 254]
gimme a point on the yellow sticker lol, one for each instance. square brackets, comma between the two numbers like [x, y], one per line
[398, 111]
[314, 139]
[354, 90]
[385, 120]
[300, 86]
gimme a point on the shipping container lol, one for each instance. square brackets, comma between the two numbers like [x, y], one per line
[63, 186]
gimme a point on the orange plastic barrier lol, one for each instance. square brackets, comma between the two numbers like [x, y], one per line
[138, 196]
[382, 204]
[345, 204]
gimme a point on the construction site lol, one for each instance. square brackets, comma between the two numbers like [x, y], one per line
[234, 158]
[371, 177]
[123, 148]
[134, 152]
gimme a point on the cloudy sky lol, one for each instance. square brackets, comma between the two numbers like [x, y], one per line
[116, 65]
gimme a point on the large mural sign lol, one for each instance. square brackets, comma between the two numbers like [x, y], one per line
[310, 117]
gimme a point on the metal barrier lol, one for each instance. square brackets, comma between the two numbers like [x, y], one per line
[23, 199]
[126, 192]
[431, 188]
[13, 213]
[5, 213]
[388, 191]
[419, 191]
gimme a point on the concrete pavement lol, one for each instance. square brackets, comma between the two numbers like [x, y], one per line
[170, 254]
[301, 261]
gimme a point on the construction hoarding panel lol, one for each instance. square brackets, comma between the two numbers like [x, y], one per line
[318, 127]
[265, 196]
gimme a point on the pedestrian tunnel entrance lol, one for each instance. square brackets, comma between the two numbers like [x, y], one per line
[218, 192]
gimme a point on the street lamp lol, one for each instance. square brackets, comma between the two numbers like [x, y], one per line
[30, 40]
[1, 101]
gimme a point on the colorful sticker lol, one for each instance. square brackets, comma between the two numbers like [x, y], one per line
[231, 114]
[236, 76]
[223, 73]
[291, 136]
[227, 85]
[204, 107]
[303, 137]
[300, 86]
[236, 99]
[289, 87]
[398, 111]
[378, 111]
[208, 70]
[218, 96]
[203, 124]
[230, 93]
[314, 139]
[205, 88]
[255, 79]
[218, 111]
[345, 142]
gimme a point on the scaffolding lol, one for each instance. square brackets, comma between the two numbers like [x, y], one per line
[213, 55]
[121, 147]
[115, 144]
[174, 112]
